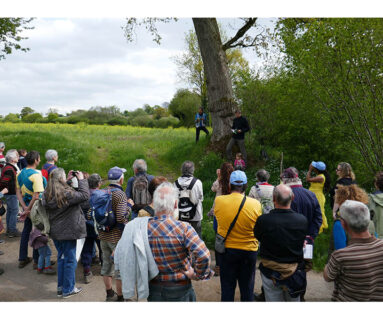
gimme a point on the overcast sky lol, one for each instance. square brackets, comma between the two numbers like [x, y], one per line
[80, 63]
[83, 62]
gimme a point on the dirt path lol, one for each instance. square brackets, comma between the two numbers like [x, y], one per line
[26, 285]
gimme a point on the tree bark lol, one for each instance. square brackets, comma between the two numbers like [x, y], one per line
[219, 87]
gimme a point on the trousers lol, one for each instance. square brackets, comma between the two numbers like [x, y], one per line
[241, 145]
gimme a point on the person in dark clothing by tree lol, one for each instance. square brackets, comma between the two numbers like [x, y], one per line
[240, 127]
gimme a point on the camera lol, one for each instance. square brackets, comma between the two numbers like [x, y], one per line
[74, 173]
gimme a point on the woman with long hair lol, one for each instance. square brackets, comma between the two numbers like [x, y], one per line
[346, 177]
[319, 184]
[343, 193]
[221, 186]
[67, 224]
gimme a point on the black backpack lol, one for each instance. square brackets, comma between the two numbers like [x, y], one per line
[187, 209]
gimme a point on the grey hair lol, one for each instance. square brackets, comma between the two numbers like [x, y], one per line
[356, 215]
[11, 155]
[187, 168]
[117, 181]
[2, 145]
[94, 180]
[140, 165]
[282, 195]
[50, 154]
[165, 198]
[262, 175]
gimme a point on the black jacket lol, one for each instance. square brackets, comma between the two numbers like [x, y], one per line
[281, 233]
[343, 182]
[242, 124]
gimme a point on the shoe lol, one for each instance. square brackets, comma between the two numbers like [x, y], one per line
[88, 277]
[49, 271]
[74, 292]
[13, 234]
[1, 240]
[1, 253]
[59, 292]
[35, 266]
[1, 271]
[259, 297]
[112, 297]
[39, 271]
[23, 263]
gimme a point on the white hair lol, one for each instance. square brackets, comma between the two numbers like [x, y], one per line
[140, 165]
[356, 215]
[165, 198]
[50, 154]
[116, 181]
[11, 155]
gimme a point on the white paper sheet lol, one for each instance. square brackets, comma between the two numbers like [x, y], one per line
[79, 246]
[308, 251]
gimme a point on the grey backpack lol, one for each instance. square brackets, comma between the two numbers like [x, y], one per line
[140, 192]
[267, 203]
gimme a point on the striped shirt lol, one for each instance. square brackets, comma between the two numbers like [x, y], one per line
[173, 243]
[121, 210]
[357, 271]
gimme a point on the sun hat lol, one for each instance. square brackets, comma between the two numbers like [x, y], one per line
[319, 165]
[238, 178]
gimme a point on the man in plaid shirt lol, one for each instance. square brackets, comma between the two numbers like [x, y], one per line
[173, 243]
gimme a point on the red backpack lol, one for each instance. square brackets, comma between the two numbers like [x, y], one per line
[45, 173]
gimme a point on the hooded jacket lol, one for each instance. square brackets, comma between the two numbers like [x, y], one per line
[375, 205]
[68, 222]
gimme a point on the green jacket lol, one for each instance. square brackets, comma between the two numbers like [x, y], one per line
[376, 210]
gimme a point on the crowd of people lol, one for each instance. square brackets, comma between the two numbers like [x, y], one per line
[149, 236]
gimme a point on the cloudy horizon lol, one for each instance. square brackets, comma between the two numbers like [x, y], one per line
[79, 63]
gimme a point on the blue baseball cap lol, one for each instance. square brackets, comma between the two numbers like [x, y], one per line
[115, 173]
[319, 165]
[238, 178]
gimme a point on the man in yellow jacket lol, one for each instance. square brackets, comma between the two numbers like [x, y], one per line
[238, 261]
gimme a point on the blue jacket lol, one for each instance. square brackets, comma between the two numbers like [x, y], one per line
[306, 203]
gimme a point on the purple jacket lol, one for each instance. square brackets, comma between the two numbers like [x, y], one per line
[37, 239]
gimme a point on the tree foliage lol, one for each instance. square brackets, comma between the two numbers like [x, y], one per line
[340, 61]
[184, 105]
[10, 30]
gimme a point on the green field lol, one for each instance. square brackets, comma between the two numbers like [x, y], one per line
[95, 149]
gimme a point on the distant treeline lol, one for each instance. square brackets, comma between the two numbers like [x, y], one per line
[179, 112]
[152, 117]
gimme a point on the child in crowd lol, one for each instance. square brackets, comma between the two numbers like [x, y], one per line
[239, 163]
[39, 241]
[2, 157]
[22, 162]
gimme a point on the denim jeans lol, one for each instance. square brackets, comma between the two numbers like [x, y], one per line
[66, 265]
[12, 211]
[274, 293]
[23, 252]
[237, 265]
[87, 254]
[171, 294]
[44, 257]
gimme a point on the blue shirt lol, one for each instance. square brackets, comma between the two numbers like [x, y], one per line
[200, 120]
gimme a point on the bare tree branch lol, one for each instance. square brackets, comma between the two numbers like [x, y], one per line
[241, 32]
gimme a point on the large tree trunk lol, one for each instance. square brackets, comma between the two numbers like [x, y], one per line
[218, 81]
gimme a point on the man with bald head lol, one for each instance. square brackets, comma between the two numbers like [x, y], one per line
[282, 234]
